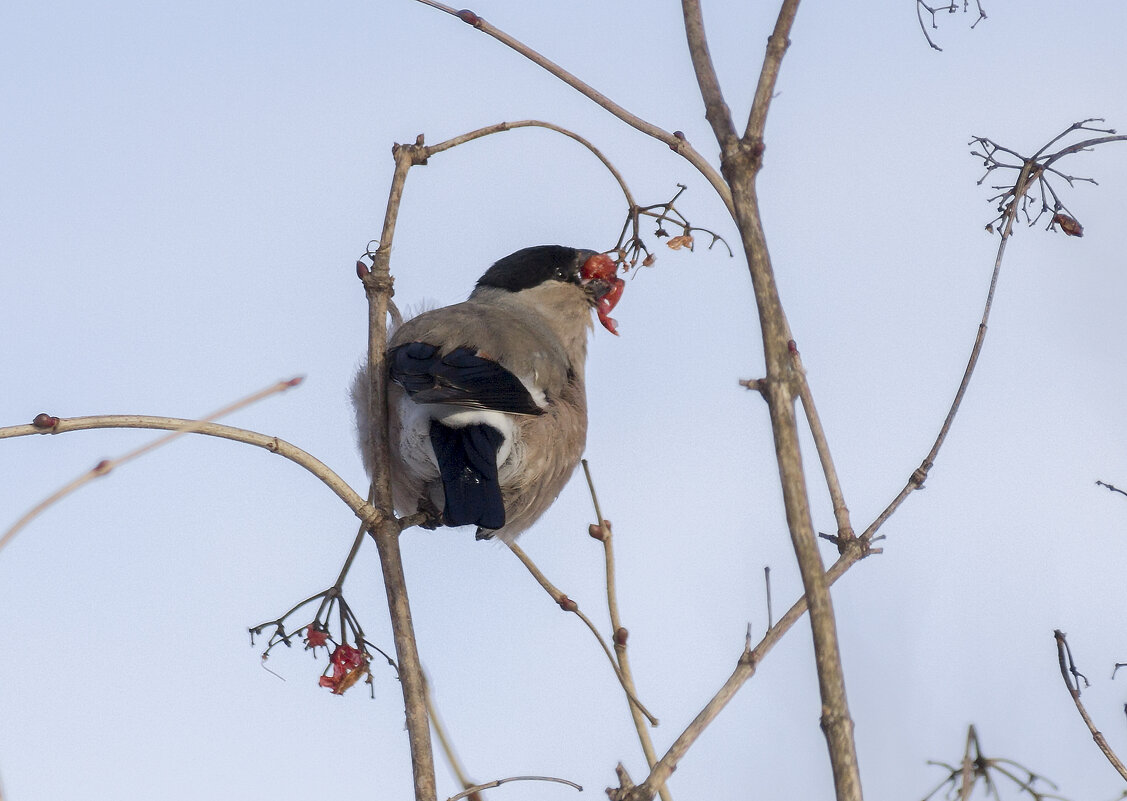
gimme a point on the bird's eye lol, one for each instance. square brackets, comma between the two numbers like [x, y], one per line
[561, 274]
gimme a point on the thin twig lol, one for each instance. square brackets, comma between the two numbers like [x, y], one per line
[468, 785]
[1021, 186]
[1068, 672]
[950, 8]
[318, 631]
[498, 782]
[676, 143]
[619, 633]
[1110, 488]
[509, 126]
[975, 765]
[361, 508]
[968, 768]
[1030, 171]
[845, 534]
[745, 668]
[568, 605]
[767, 585]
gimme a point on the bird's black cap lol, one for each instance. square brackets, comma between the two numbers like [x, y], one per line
[533, 266]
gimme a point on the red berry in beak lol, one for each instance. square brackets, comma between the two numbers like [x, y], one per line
[602, 269]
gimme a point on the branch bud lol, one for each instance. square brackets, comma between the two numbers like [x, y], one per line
[44, 420]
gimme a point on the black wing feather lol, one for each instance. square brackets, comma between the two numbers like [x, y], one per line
[460, 378]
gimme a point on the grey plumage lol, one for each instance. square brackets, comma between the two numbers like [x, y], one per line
[454, 367]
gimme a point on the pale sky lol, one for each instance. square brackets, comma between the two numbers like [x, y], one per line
[184, 190]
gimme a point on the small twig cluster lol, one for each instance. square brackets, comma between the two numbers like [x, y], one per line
[350, 652]
[631, 247]
[1040, 196]
[951, 8]
[961, 779]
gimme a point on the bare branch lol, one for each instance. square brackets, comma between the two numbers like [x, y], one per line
[950, 8]
[1110, 488]
[1045, 200]
[975, 765]
[1071, 676]
[62, 425]
[740, 164]
[602, 532]
[508, 126]
[715, 109]
[378, 289]
[498, 782]
[837, 498]
[777, 45]
[676, 143]
[470, 788]
[568, 605]
[1010, 203]
[746, 667]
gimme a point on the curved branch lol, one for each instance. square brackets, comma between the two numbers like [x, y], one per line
[508, 126]
[498, 782]
[1067, 671]
[63, 425]
[676, 141]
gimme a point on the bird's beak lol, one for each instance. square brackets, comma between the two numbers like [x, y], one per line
[600, 278]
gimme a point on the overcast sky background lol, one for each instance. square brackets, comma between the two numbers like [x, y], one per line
[184, 190]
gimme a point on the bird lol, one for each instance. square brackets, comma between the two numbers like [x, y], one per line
[487, 406]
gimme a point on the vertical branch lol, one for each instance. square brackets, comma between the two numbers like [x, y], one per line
[777, 46]
[740, 163]
[620, 633]
[378, 288]
[715, 109]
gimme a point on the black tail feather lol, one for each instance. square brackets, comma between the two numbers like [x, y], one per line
[467, 459]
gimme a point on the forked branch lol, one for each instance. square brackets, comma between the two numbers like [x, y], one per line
[1072, 677]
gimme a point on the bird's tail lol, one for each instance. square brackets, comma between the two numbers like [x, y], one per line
[467, 459]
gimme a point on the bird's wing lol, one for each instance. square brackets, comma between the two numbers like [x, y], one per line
[461, 377]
